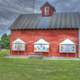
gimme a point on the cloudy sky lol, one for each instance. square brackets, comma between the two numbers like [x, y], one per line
[11, 9]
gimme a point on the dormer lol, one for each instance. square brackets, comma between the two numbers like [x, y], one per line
[47, 9]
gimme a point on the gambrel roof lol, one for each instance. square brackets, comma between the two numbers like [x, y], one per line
[57, 21]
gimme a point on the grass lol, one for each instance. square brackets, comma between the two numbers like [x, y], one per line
[4, 52]
[36, 69]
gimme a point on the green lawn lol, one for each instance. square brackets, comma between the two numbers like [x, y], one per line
[36, 69]
[4, 52]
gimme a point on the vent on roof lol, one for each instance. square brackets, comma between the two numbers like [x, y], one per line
[47, 9]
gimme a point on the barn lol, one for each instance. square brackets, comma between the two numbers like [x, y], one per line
[50, 33]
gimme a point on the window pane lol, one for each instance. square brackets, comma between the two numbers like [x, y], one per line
[19, 46]
[46, 10]
[68, 48]
[41, 48]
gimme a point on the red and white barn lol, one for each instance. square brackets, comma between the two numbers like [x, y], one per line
[49, 33]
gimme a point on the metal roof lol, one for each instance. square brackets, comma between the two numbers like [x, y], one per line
[58, 20]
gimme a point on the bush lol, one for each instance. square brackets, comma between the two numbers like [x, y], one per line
[4, 52]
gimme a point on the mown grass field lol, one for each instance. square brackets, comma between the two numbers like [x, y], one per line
[37, 69]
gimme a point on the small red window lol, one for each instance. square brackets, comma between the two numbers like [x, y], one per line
[46, 11]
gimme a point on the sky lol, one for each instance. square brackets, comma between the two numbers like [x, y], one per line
[11, 9]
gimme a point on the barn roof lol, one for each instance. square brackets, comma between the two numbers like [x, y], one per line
[58, 20]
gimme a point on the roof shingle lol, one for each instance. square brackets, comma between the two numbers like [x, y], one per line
[58, 20]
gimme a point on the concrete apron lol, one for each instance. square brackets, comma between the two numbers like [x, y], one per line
[44, 58]
[15, 56]
[60, 58]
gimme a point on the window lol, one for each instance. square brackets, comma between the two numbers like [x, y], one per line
[67, 46]
[41, 46]
[46, 10]
[18, 45]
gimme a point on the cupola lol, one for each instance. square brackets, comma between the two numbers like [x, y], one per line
[47, 9]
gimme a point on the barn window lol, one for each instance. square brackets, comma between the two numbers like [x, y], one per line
[46, 11]
[67, 46]
[18, 45]
[41, 46]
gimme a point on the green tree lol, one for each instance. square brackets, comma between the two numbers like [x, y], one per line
[4, 42]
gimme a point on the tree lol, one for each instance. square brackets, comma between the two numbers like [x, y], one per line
[4, 42]
[3, 36]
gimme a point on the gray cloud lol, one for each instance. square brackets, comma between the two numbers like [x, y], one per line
[61, 5]
[17, 6]
[11, 9]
